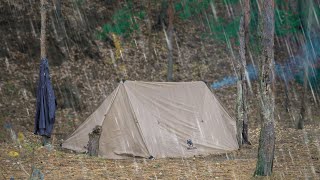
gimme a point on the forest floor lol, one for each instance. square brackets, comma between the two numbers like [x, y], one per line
[297, 156]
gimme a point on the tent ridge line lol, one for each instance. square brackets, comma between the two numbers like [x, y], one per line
[135, 117]
[108, 110]
[112, 100]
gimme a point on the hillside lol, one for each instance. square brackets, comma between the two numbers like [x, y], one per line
[85, 69]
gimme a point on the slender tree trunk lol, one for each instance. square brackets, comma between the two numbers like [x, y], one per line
[242, 108]
[239, 111]
[44, 6]
[93, 143]
[245, 133]
[170, 12]
[240, 85]
[302, 117]
[266, 92]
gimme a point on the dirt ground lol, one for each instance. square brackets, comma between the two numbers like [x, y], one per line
[297, 156]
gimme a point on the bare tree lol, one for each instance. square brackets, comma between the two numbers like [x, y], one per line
[242, 108]
[43, 41]
[266, 91]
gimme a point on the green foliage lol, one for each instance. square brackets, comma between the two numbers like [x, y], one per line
[286, 22]
[190, 8]
[230, 2]
[223, 30]
[220, 29]
[123, 22]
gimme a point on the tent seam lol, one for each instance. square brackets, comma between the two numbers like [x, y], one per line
[112, 100]
[137, 124]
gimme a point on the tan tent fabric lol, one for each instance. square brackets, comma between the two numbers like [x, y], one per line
[80, 137]
[157, 118]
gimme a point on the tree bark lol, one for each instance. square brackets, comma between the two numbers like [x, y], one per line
[242, 108]
[170, 12]
[246, 81]
[239, 110]
[44, 6]
[93, 144]
[266, 91]
[240, 85]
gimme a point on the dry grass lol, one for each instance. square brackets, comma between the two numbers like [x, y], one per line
[297, 157]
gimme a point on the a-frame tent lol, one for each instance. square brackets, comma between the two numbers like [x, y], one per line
[143, 119]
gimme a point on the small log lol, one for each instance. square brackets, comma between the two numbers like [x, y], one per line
[93, 144]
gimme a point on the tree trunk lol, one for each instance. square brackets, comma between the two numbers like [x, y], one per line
[303, 100]
[242, 108]
[170, 12]
[266, 92]
[44, 6]
[240, 84]
[93, 144]
[239, 110]
[246, 81]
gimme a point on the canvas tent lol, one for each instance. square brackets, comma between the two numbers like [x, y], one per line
[159, 119]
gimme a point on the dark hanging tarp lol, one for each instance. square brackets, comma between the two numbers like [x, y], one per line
[46, 102]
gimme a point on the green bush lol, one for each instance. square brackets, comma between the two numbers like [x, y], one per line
[286, 22]
[189, 8]
[123, 22]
